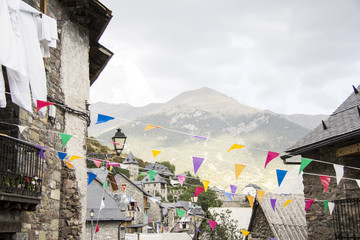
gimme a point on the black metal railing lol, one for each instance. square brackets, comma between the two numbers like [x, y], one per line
[347, 219]
[21, 167]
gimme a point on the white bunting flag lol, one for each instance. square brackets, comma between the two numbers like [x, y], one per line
[358, 182]
[331, 207]
[339, 169]
[22, 128]
[102, 204]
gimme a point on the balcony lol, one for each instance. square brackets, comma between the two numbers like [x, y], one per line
[21, 173]
[347, 219]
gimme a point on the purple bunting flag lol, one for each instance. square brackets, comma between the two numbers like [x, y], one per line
[273, 202]
[197, 163]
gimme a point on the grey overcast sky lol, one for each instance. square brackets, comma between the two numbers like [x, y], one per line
[300, 56]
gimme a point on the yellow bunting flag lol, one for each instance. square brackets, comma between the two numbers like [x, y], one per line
[260, 194]
[235, 146]
[111, 167]
[287, 202]
[245, 232]
[206, 184]
[73, 157]
[155, 153]
[251, 201]
[238, 169]
[150, 126]
[69, 164]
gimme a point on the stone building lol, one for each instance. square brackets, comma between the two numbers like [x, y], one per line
[159, 168]
[131, 164]
[43, 198]
[334, 141]
[158, 186]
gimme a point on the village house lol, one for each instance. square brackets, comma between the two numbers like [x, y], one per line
[333, 144]
[159, 168]
[130, 163]
[41, 197]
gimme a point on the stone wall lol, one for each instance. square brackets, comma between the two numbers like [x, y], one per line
[259, 225]
[154, 212]
[320, 224]
[108, 230]
[154, 187]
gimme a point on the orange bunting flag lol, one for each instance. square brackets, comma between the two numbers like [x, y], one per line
[40, 104]
[69, 164]
[260, 194]
[245, 232]
[155, 153]
[251, 200]
[150, 126]
[97, 162]
[206, 184]
[287, 202]
[73, 157]
[238, 169]
[235, 146]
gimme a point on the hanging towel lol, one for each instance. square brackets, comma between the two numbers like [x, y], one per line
[2, 90]
[47, 34]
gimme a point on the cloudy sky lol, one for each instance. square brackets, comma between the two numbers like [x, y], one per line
[298, 56]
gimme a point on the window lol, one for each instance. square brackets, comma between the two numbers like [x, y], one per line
[347, 219]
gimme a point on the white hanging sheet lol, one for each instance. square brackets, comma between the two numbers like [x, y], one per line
[2, 90]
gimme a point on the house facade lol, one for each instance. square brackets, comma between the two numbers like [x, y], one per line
[158, 186]
[334, 141]
[130, 163]
[40, 196]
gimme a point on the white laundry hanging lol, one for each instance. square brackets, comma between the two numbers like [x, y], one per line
[47, 34]
[2, 90]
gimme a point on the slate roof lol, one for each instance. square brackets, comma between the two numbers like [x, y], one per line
[156, 179]
[253, 186]
[288, 222]
[130, 159]
[161, 169]
[187, 207]
[101, 173]
[110, 212]
[342, 124]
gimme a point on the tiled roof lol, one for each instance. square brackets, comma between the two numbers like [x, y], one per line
[130, 159]
[343, 123]
[286, 222]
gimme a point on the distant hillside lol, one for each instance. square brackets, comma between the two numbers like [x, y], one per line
[205, 112]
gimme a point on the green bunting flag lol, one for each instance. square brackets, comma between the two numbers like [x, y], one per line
[65, 138]
[326, 204]
[105, 184]
[304, 163]
[152, 174]
[180, 212]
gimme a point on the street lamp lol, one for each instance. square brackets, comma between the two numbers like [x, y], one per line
[194, 200]
[119, 141]
[92, 223]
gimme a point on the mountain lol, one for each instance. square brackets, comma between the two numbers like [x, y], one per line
[207, 113]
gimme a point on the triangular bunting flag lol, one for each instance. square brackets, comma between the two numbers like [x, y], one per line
[273, 203]
[238, 169]
[325, 180]
[97, 228]
[339, 170]
[270, 157]
[144, 174]
[102, 205]
[280, 175]
[326, 204]
[152, 174]
[197, 163]
[181, 179]
[73, 157]
[304, 163]
[22, 129]
[62, 155]
[111, 167]
[245, 232]
[155, 153]
[40, 104]
[212, 224]
[358, 182]
[103, 118]
[251, 200]
[65, 138]
[105, 184]
[287, 202]
[180, 212]
[235, 146]
[308, 203]
[206, 184]
[233, 189]
[228, 195]
[69, 164]
[97, 162]
[200, 137]
[91, 177]
[150, 126]
[198, 190]
[41, 152]
[331, 207]
[260, 194]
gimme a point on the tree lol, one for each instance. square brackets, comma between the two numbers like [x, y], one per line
[205, 199]
[169, 165]
[140, 177]
[226, 228]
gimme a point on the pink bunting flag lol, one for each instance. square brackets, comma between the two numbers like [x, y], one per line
[198, 190]
[181, 179]
[212, 224]
[114, 164]
[270, 157]
[97, 228]
[40, 104]
[308, 203]
[197, 163]
[325, 180]
[97, 162]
